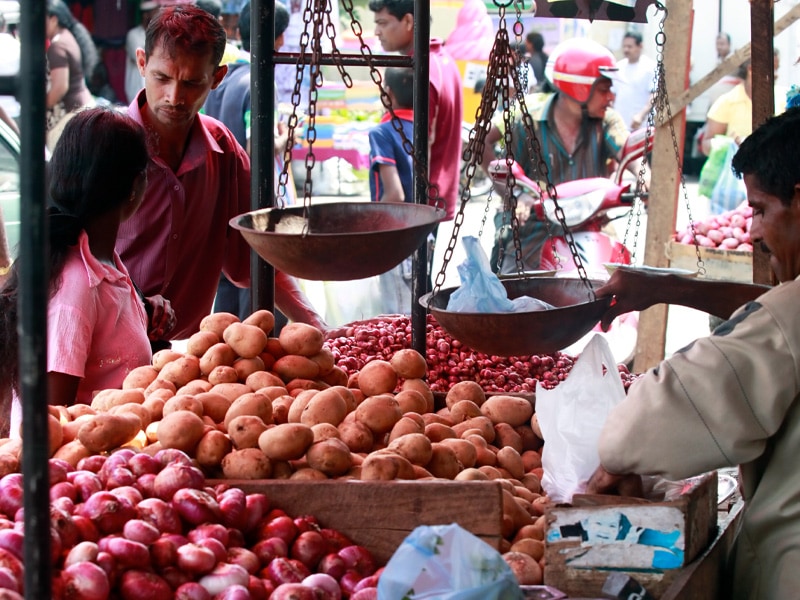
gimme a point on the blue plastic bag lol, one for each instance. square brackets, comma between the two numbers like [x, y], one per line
[481, 290]
[729, 190]
[447, 562]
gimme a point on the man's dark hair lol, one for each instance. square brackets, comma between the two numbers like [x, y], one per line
[212, 7]
[727, 36]
[771, 153]
[741, 72]
[635, 36]
[401, 81]
[536, 41]
[397, 8]
[281, 23]
[281, 19]
[187, 28]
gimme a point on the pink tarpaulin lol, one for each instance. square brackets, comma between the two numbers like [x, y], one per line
[601, 10]
[473, 37]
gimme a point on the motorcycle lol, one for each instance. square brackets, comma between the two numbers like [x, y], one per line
[588, 205]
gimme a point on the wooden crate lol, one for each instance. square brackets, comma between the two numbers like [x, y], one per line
[380, 514]
[721, 265]
[657, 540]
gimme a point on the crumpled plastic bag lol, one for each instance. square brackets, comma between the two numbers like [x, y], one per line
[571, 416]
[447, 562]
[481, 290]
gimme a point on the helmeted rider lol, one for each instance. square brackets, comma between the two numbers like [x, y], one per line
[579, 136]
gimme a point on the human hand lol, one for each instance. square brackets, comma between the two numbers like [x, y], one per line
[161, 317]
[331, 333]
[630, 290]
[281, 137]
[603, 482]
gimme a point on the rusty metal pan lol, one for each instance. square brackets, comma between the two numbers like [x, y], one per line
[339, 241]
[524, 333]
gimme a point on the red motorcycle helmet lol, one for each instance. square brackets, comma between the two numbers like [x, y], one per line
[575, 66]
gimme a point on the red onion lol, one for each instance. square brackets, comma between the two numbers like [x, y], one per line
[293, 591]
[175, 577]
[224, 576]
[309, 547]
[108, 511]
[260, 589]
[13, 541]
[87, 531]
[145, 484]
[63, 489]
[358, 558]
[161, 514]
[235, 592]
[281, 527]
[91, 463]
[141, 531]
[106, 562]
[141, 585]
[85, 581]
[235, 537]
[164, 551]
[196, 559]
[144, 464]
[130, 493]
[349, 581]
[209, 530]
[11, 494]
[270, 548]
[335, 538]
[195, 506]
[333, 565]
[64, 526]
[177, 476]
[8, 582]
[286, 570]
[370, 593]
[13, 564]
[57, 469]
[127, 553]
[192, 591]
[327, 587]
[257, 506]
[217, 547]
[244, 558]
[172, 456]
[81, 552]
[86, 483]
[233, 505]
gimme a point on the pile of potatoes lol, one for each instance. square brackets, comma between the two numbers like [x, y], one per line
[247, 405]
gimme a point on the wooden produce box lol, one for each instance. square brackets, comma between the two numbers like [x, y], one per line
[649, 541]
[721, 265]
[380, 514]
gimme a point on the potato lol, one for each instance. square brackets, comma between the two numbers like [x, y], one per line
[199, 342]
[181, 370]
[105, 431]
[272, 391]
[77, 410]
[10, 464]
[261, 379]
[357, 436]
[154, 404]
[336, 377]
[444, 462]
[436, 432]
[526, 569]
[465, 390]
[466, 453]
[247, 366]
[482, 424]
[379, 413]
[253, 404]
[331, 456]
[105, 399]
[347, 395]
[216, 355]
[293, 366]
[325, 431]
[423, 388]
[223, 374]
[386, 465]
[244, 431]
[140, 377]
[69, 430]
[182, 429]
[195, 386]
[140, 410]
[214, 405]
[182, 402]
[274, 348]
[415, 447]
[409, 364]
[471, 474]
[263, 319]
[377, 377]
[248, 341]
[301, 339]
[164, 357]
[280, 408]
[160, 384]
[506, 435]
[405, 426]
[249, 463]
[288, 441]
[55, 435]
[212, 448]
[308, 474]
[72, 452]
[295, 386]
[231, 390]
[326, 406]
[507, 409]
[326, 361]
[218, 322]
[411, 401]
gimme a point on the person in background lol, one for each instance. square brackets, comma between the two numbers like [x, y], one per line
[578, 131]
[394, 27]
[9, 65]
[723, 45]
[135, 39]
[179, 241]
[732, 113]
[71, 59]
[730, 398]
[230, 103]
[537, 57]
[97, 324]
[391, 176]
[214, 8]
[635, 87]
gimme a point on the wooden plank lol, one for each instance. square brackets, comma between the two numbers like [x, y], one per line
[719, 264]
[380, 514]
[665, 181]
[729, 65]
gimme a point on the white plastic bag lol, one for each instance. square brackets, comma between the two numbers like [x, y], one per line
[571, 416]
[447, 562]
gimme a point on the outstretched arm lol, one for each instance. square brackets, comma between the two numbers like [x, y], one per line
[636, 289]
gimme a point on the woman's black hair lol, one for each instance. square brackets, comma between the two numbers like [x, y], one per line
[89, 54]
[94, 167]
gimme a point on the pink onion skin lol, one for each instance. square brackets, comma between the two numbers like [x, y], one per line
[327, 585]
[257, 506]
[286, 570]
[85, 581]
[145, 483]
[358, 558]
[195, 506]
[366, 594]
[91, 463]
[142, 585]
[86, 483]
[192, 591]
[129, 492]
[169, 456]
[349, 581]
[141, 464]
[57, 470]
[217, 531]
[127, 553]
[8, 582]
[293, 591]
[260, 589]
[141, 531]
[233, 506]
[118, 477]
[243, 557]
[161, 514]
[175, 577]
[235, 592]
[217, 547]
[196, 559]
[177, 476]
[108, 511]
[11, 494]
[224, 576]
[333, 565]
[13, 541]
[82, 552]
[87, 531]
[63, 489]
[309, 547]
[269, 549]
[62, 522]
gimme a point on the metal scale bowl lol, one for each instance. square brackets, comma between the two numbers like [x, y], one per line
[524, 333]
[338, 241]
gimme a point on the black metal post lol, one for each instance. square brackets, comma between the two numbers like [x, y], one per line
[33, 294]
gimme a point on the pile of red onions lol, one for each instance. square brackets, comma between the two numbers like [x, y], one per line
[727, 231]
[140, 527]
